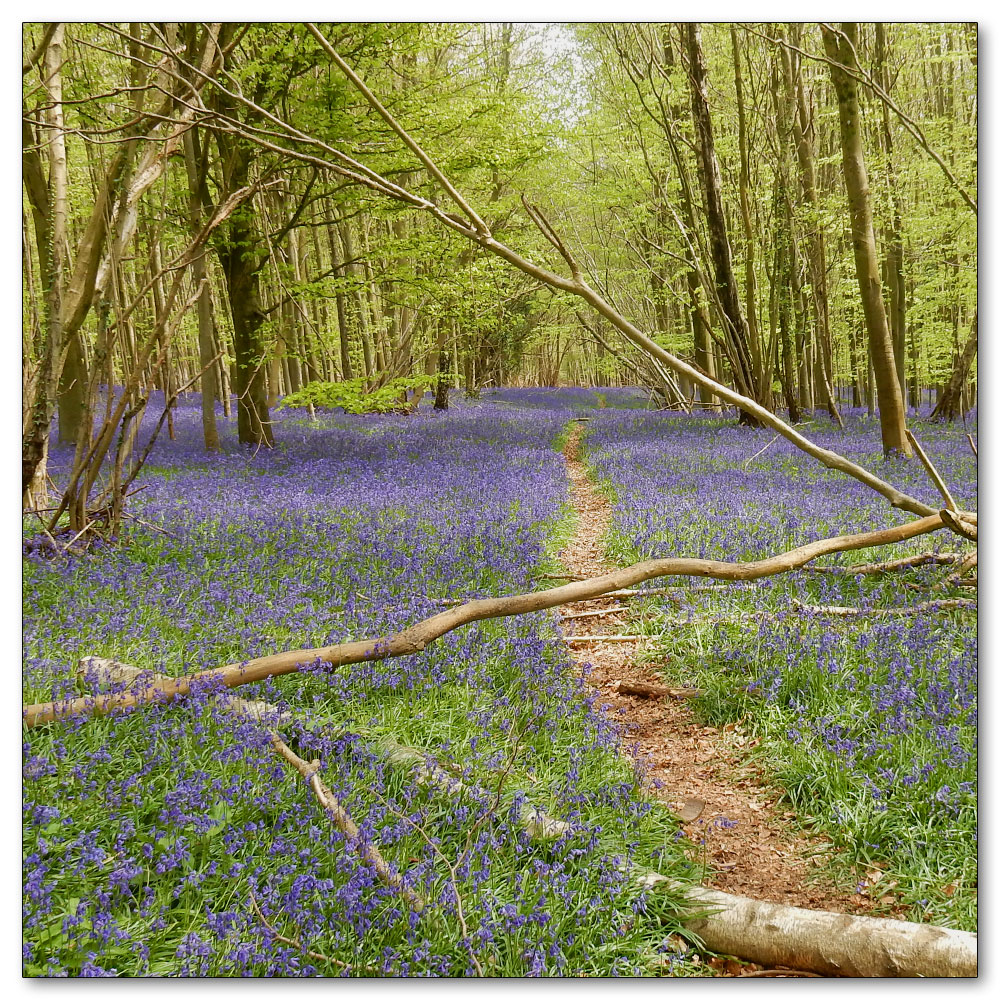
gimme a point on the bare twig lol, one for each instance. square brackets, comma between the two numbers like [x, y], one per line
[643, 689]
[453, 877]
[607, 638]
[746, 464]
[295, 943]
[972, 445]
[868, 569]
[567, 616]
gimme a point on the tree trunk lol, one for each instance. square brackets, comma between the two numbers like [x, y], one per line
[892, 412]
[816, 242]
[748, 231]
[950, 402]
[241, 265]
[340, 297]
[894, 255]
[737, 332]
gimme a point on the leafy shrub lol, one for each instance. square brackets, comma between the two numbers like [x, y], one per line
[353, 397]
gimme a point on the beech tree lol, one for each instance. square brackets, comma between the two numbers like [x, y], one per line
[840, 47]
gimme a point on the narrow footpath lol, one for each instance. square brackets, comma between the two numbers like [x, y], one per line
[704, 773]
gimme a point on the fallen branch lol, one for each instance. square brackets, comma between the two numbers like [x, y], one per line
[827, 943]
[868, 569]
[538, 824]
[644, 689]
[949, 500]
[971, 561]
[342, 820]
[569, 615]
[606, 638]
[916, 609]
[417, 637]
[961, 523]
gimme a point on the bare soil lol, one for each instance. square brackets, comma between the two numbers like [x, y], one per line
[705, 775]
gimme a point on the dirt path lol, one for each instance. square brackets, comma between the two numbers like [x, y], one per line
[705, 776]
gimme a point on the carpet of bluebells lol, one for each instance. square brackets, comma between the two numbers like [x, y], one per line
[868, 724]
[171, 841]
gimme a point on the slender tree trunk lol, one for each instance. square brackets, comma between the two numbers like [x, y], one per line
[950, 404]
[725, 280]
[748, 230]
[340, 297]
[892, 412]
[894, 253]
[815, 242]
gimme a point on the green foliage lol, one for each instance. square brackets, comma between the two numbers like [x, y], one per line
[354, 397]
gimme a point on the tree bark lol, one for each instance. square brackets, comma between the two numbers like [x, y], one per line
[831, 944]
[748, 231]
[737, 332]
[949, 404]
[892, 412]
[816, 241]
[195, 163]
[894, 254]
[241, 265]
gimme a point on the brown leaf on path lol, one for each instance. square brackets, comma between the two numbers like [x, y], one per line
[691, 810]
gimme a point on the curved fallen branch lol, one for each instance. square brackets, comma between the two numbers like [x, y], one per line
[418, 637]
[818, 941]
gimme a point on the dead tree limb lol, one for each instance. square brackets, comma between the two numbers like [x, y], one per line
[342, 820]
[829, 943]
[417, 637]
[942, 488]
[961, 523]
[869, 569]
[426, 770]
[955, 604]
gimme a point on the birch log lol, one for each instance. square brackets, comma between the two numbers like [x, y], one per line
[834, 944]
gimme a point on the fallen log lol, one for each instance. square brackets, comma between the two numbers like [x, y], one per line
[538, 823]
[833, 944]
[417, 637]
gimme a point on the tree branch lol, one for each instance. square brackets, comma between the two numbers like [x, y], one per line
[417, 637]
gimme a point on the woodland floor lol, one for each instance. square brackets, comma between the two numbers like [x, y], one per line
[704, 772]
